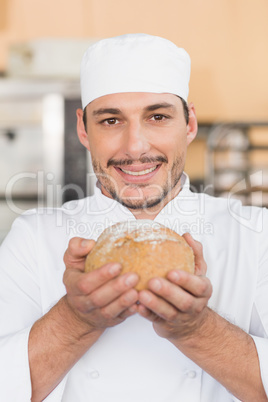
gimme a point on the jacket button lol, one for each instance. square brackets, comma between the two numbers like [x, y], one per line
[94, 374]
[191, 374]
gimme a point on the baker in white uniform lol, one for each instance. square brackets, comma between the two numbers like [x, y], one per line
[66, 335]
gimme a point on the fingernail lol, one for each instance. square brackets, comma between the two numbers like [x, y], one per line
[189, 234]
[131, 280]
[114, 269]
[175, 276]
[84, 243]
[146, 298]
[156, 284]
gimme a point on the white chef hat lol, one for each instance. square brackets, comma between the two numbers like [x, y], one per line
[134, 63]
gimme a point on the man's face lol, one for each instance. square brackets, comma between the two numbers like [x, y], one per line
[138, 145]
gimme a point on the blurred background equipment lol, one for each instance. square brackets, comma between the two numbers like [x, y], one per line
[47, 58]
[237, 162]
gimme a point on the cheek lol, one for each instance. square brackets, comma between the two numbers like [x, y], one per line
[178, 146]
[100, 149]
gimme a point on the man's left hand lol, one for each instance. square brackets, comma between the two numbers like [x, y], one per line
[177, 304]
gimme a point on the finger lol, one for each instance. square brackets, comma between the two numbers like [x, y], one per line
[157, 305]
[199, 286]
[113, 289]
[82, 283]
[200, 264]
[146, 313]
[76, 252]
[123, 307]
[129, 312]
[176, 296]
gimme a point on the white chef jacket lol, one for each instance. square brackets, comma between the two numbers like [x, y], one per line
[129, 362]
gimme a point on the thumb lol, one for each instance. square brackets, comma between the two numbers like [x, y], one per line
[77, 251]
[86, 245]
[200, 264]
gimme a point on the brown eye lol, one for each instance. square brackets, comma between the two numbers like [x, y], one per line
[111, 121]
[158, 117]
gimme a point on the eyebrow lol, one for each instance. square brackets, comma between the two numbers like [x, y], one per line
[149, 108]
[101, 111]
[156, 106]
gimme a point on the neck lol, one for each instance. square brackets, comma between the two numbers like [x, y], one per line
[152, 212]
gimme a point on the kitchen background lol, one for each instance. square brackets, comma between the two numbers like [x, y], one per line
[41, 43]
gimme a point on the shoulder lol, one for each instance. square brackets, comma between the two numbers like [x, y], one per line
[48, 223]
[231, 211]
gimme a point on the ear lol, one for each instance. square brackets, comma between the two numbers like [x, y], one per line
[81, 130]
[192, 125]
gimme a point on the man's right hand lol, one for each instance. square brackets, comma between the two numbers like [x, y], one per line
[102, 298]
[94, 301]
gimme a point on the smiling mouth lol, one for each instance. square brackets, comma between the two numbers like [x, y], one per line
[139, 173]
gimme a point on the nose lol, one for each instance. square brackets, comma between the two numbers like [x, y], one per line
[136, 141]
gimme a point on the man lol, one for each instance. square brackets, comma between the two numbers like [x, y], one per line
[92, 336]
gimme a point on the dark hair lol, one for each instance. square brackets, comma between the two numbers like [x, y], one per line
[185, 111]
[85, 118]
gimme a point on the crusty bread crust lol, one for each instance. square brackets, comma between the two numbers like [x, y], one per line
[142, 246]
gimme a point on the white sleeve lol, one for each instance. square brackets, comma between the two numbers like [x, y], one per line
[15, 380]
[21, 305]
[19, 309]
[261, 341]
[262, 349]
[259, 319]
[14, 369]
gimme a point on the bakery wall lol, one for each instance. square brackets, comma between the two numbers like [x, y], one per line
[227, 41]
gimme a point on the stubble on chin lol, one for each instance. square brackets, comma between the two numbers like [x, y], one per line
[162, 194]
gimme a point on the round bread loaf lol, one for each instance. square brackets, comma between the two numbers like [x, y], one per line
[142, 246]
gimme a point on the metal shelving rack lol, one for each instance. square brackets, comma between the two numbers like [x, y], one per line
[237, 162]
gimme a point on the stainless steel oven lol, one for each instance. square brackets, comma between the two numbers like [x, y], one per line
[33, 127]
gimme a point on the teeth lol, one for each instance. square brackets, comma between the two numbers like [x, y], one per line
[141, 172]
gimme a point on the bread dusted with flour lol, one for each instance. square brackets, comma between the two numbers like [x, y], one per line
[142, 246]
